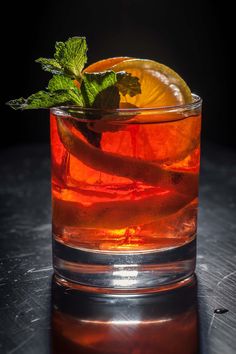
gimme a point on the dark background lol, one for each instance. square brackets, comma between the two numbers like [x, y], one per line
[191, 37]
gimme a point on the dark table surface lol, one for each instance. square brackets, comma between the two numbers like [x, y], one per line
[26, 268]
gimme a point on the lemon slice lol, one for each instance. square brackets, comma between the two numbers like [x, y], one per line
[160, 85]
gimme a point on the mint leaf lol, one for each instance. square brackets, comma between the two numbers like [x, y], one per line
[71, 55]
[69, 58]
[99, 90]
[50, 65]
[108, 98]
[59, 84]
[61, 90]
[17, 103]
[41, 99]
[128, 84]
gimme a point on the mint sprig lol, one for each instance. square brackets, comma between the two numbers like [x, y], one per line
[72, 56]
[71, 86]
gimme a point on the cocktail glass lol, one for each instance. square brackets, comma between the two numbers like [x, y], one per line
[125, 195]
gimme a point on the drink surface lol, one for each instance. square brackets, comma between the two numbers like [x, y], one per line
[133, 188]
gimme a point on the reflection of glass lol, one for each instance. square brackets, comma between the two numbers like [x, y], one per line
[89, 323]
[124, 191]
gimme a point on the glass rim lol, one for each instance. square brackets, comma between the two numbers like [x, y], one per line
[65, 110]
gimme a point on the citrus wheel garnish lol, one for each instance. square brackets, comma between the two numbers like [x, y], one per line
[160, 87]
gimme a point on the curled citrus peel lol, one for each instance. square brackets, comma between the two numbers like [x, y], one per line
[116, 214]
[125, 166]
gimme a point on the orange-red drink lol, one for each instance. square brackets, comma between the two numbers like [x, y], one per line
[125, 184]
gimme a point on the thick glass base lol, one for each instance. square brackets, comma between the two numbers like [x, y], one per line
[124, 271]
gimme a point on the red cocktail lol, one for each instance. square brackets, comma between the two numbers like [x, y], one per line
[126, 183]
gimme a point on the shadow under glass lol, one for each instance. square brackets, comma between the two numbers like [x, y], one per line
[165, 322]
